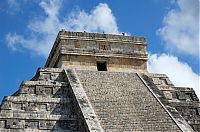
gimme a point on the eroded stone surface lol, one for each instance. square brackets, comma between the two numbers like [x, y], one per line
[123, 103]
[182, 102]
[84, 50]
[43, 104]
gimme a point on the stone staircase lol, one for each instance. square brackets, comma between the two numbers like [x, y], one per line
[181, 102]
[42, 104]
[123, 103]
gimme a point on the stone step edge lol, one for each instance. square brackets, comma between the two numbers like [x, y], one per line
[31, 130]
[44, 83]
[35, 116]
[37, 99]
[32, 112]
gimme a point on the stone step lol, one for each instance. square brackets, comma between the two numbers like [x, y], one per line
[122, 99]
[58, 110]
[44, 83]
[39, 99]
[38, 116]
[55, 111]
[185, 93]
[184, 103]
[21, 125]
[36, 104]
[55, 89]
[181, 102]
[32, 130]
[49, 74]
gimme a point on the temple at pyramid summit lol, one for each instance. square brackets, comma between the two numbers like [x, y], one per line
[95, 82]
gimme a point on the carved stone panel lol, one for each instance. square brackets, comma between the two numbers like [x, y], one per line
[168, 94]
[28, 89]
[15, 123]
[31, 106]
[181, 95]
[42, 107]
[45, 76]
[17, 106]
[31, 90]
[31, 124]
[48, 90]
[157, 81]
[54, 76]
[46, 125]
[40, 90]
[6, 105]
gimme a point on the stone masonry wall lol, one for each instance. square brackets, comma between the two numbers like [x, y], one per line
[73, 49]
[43, 104]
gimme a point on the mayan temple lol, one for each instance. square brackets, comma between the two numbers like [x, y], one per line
[95, 82]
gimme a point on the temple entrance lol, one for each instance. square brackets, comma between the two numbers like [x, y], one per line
[101, 66]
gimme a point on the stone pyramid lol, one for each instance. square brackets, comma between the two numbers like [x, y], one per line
[99, 82]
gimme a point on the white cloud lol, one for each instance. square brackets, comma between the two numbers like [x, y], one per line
[100, 19]
[180, 73]
[43, 31]
[180, 31]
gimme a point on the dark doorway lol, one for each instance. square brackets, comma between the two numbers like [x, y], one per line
[101, 66]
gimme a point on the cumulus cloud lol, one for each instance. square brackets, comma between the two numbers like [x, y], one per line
[180, 31]
[43, 31]
[180, 73]
[100, 19]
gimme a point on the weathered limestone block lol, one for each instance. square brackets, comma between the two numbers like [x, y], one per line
[45, 76]
[27, 89]
[40, 90]
[157, 81]
[30, 106]
[181, 95]
[6, 105]
[42, 106]
[15, 123]
[46, 125]
[17, 106]
[31, 124]
[168, 94]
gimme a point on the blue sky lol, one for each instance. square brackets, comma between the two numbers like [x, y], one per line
[28, 30]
